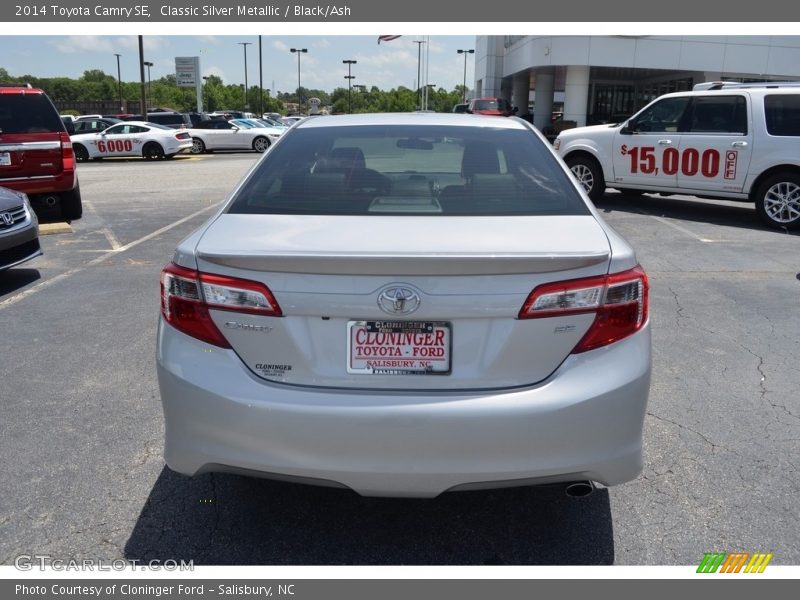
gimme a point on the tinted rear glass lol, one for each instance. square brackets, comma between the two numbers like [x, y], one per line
[28, 113]
[166, 119]
[409, 170]
[782, 114]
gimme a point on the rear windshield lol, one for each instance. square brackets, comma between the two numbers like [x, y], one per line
[28, 113]
[409, 170]
[782, 113]
[166, 119]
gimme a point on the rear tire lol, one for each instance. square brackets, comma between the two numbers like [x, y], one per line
[198, 147]
[260, 144]
[81, 153]
[71, 206]
[152, 151]
[778, 201]
[589, 175]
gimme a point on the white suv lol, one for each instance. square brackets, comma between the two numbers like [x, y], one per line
[722, 140]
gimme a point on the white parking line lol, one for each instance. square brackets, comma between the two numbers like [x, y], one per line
[112, 239]
[675, 226]
[106, 231]
[95, 261]
[679, 228]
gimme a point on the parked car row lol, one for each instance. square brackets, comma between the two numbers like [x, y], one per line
[102, 137]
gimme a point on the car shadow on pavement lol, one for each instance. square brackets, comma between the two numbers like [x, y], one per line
[222, 519]
[715, 212]
[17, 278]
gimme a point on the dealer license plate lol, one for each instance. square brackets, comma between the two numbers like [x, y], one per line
[398, 347]
[5, 159]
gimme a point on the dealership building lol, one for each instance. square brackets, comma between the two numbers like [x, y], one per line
[602, 79]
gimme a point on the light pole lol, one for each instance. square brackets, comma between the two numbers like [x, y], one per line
[244, 46]
[465, 52]
[119, 84]
[349, 78]
[260, 82]
[419, 64]
[299, 51]
[148, 64]
[362, 89]
[428, 88]
[205, 89]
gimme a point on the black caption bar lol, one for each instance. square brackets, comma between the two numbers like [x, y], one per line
[349, 589]
[376, 11]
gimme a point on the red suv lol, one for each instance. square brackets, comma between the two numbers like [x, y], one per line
[36, 154]
[497, 107]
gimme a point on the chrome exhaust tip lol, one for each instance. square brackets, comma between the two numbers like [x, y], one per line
[579, 489]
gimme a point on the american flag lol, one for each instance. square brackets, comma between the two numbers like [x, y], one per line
[387, 38]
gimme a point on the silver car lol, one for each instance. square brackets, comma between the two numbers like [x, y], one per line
[403, 305]
[19, 230]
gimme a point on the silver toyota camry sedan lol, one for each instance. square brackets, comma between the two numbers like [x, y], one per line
[403, 305]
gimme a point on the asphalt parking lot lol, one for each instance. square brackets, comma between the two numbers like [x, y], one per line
[81, 428]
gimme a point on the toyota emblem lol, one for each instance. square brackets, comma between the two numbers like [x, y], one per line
[398, 300]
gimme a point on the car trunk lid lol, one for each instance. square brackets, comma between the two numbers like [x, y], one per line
[460, 281]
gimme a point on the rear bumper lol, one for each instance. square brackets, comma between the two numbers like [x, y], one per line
[66, 181]
[584, 422]
[180, 148]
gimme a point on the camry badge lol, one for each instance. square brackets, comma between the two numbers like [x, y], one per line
[398, 300]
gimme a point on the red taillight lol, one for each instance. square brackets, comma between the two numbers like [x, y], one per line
[182, 136]
[619, 301]
[67, 153]
[187, 295]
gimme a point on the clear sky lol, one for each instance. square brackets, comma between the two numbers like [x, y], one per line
[387, 65]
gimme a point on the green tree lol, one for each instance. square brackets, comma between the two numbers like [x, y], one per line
[97, 86]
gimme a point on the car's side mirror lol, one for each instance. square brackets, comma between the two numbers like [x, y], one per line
[626, 129]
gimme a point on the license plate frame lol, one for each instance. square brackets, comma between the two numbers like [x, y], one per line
[399, 356]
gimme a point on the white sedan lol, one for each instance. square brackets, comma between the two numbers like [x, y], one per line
[218, 134]
[132, 138]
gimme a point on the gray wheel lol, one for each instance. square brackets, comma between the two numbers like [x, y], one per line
[589, 175]
[198, 147]
[778, 201]
[152, 151]
[260, 144]
[81, 153]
